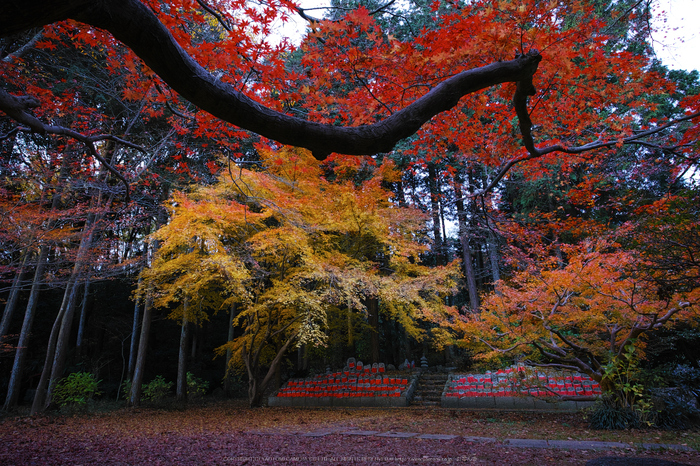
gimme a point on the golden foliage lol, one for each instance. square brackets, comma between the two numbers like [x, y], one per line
[287, 245]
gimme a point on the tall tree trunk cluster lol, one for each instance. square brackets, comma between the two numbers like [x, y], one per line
[450, 204]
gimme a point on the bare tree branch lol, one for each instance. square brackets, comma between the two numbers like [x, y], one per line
[525, 124]
[216, 14]
[18, 107]
[24, 48]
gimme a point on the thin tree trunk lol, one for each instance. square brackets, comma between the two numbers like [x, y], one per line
[400, 194]
[467, 263]
[140, 365]
[445, 246]
[390, 342]
[407, 346]
[133, 348]
[181, 385]
[480, 264]
[22, 345]
[50, 373]
[66, 317]
[435, 213]
[493, 257]
[81, 321]
[58, 346]
[351, 335]
[227, 376]
[30, 311]
[40, 397]
[11, 304]
[301, 359]
[195, 339]
[373, 318]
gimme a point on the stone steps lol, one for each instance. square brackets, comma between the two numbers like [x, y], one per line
[429, 389]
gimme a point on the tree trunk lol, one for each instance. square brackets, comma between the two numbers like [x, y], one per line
[133, 347]
[467, 263]
[433, 186]
[29, 313]
[407, 346]
[65, 316]
[40, 397]
[195, 332]
[140, 365]
[400, 194]
[54, 358]
[373, 319]
[351, 334]
[22, 344]
[480, 265]
[227, 376]
[302, 358]
[446, 252]
[60, 357]
[81, 321]
[493, 257]
[256, 389]
[181, 385]
[390, 344]
[12, 298]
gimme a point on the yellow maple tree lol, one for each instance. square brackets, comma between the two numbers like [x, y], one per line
[288, 246]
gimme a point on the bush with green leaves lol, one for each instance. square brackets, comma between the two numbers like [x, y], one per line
[76, 389]
[126, 389]
[636, 399]
[157, 389]
[196, 387]
[627, 402]
[609, 414]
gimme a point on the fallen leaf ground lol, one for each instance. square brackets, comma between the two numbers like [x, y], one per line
[228, 433]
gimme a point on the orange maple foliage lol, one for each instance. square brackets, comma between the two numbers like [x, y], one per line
[581, 315]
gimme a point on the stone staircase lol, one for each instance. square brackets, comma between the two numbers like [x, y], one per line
[429, 389]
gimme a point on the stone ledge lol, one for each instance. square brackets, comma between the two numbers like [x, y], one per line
[512, 403]
[347, 402]
[585, 444]
[397, 434]
[525, 443]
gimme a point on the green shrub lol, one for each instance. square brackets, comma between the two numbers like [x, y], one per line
[126, 389]
[157, 389]
[76, 389]
[196, 387]
[609, 414]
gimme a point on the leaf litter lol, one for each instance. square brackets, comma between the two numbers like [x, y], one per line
[228, 433]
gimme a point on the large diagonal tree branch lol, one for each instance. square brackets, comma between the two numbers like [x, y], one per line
[132, 23]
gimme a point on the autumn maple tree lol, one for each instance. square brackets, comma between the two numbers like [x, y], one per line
[592, 306]
[287, 247]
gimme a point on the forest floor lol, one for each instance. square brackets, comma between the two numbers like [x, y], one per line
[229, 433]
